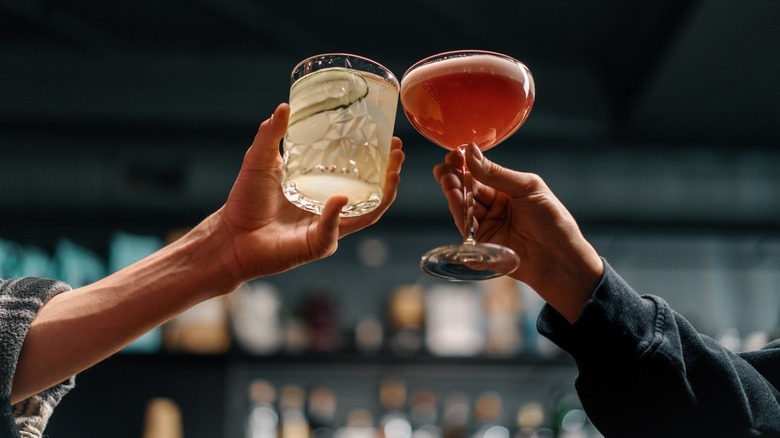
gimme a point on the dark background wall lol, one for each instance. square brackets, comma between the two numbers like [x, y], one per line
[655, 122]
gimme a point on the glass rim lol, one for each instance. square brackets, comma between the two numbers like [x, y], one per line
[390, 76]
[441, 56]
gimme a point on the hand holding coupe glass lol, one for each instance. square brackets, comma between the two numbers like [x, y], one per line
[341, 122]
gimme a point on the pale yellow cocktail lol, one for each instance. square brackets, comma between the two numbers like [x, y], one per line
[338, 137]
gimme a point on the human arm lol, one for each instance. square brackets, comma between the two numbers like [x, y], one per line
[643, 369]
[257, 232]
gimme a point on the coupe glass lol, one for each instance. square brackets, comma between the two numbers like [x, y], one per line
[455, 99]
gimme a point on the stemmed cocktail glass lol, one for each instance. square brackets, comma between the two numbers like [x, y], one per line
[455, 99]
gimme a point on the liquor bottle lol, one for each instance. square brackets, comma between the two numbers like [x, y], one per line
[255, 310]
[263, 420]
[488, 412]
[454, 320]
[369, 335]
[456, 415]
[423, 407]
[394, 422]
[294, 423]
[359, 423]
[320, 315]
[321, 411]
[162, 419]
[530, 421]
[503, 307]
[406, 318]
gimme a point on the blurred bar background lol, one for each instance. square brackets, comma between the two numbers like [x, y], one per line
[122, 124]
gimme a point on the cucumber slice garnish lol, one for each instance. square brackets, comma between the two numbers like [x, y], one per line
[325, 90]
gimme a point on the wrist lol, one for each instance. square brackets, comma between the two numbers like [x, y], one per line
[207, 251]
[573, 278]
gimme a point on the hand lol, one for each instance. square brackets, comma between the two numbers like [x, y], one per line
[518, 210]
[267, 233]
[257, 232]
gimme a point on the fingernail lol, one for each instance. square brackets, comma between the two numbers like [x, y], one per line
[271, 118]
[477, 152]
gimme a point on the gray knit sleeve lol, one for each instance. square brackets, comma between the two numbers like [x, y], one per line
[20, 300]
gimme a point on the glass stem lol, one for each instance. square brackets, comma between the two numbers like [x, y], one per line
[469, 227]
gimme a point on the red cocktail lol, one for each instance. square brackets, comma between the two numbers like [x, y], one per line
[455, 99]
[478, 99]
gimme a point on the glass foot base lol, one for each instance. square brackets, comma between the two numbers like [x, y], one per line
[470, 262]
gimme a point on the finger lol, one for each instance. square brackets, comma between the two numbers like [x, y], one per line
[393, 175]
[390, 191]
[392, 181]
[455, 159]
[328, 227]
[505, 180]
[396, 157]
[450, 179]
[396, 143]
[265, 147]
[443, 170]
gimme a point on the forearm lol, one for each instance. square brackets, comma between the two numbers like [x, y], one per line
[77, 329]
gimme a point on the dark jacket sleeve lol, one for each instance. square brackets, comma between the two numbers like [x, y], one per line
[644, 371]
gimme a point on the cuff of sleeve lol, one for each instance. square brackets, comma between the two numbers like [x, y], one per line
[20, 301]
[616, 325]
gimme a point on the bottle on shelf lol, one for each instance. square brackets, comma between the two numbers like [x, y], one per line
[394, 421]
[294, 423]
[456, 415]
[263, 419]
[255, 310]
[406, 319]
[319, 313]
[369, 334]
[162, 419]
[503, 306]
[454, 320]
[530, 421]
[488, 413]
[321, 411]
[423, 408]
[359, 423]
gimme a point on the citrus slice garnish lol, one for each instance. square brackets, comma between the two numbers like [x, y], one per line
[325, 90]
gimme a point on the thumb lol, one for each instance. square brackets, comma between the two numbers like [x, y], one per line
[500, 178]
[265, 147]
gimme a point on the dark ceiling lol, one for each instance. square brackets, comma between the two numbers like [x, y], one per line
[652, 74]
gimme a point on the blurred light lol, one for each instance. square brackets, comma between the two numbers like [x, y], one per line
[574, 420]
[530, 416]
[372, 252]
[398, 428]
[543, 433]
[427, 431]
[497, 432]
